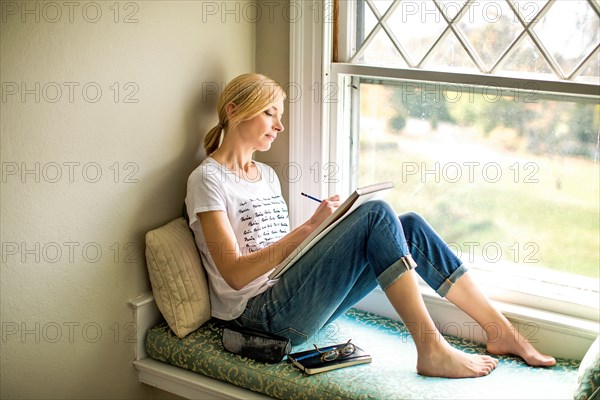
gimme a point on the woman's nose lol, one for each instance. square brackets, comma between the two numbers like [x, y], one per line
[279, 126]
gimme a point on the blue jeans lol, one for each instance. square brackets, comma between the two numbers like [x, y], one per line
[372, 246]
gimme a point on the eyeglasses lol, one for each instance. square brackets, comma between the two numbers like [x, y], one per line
[344, 350]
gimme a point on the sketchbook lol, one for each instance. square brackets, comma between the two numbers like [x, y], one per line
[355, 200]
[310, 361]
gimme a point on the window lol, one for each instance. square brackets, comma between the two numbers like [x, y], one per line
[486, 115]
[545, 39]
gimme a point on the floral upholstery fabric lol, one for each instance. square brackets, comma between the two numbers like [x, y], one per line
[391, 375]
[588, 377]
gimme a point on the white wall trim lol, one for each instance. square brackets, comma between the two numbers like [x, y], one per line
[308, 146]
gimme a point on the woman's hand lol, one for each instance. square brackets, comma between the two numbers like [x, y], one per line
[238, 270]
[325, 209]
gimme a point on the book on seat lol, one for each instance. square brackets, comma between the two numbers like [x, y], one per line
[355, 200]
[311, 361]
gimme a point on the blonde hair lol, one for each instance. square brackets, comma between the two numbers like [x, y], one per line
[251, 94]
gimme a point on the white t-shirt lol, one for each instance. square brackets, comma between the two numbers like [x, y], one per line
[258, 215]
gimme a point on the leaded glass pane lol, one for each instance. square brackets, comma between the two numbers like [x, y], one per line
[381, 51]
[569, 31]
[449, 54]
[489, 30]
[591, 71]
[451, 8]
[509, 36]
[529, 10]
[370, 21]
[382, 5]
[526, 59]
[417, 31]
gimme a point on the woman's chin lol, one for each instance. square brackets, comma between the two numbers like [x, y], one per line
[265, 147]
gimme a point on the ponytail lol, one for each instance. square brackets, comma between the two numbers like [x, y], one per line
[212, 139]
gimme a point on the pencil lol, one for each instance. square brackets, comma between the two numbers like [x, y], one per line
[310, 197]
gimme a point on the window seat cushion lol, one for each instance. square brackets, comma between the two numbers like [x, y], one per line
[391, 375]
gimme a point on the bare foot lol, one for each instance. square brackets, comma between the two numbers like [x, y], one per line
[447, 362]
[510, 341]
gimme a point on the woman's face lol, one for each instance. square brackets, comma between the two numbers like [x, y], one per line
[262, 130]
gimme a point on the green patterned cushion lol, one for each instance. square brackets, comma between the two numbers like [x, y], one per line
[588, 377]
[391, 375]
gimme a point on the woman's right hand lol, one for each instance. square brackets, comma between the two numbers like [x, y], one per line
[238, 270]
[325, 209]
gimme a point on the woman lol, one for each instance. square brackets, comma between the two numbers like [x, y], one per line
[240, 222]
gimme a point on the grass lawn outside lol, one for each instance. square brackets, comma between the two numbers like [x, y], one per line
[490, 203]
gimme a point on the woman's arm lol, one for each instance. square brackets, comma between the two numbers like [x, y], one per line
[239, 270]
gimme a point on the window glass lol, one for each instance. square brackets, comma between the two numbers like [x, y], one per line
[558, 40]
[507, 177]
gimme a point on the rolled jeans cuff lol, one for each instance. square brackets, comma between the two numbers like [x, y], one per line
[395, 271]
[447, 284]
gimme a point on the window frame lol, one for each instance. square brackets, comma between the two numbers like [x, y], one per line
[326, 125]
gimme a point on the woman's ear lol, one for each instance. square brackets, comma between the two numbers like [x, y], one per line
[230, 108]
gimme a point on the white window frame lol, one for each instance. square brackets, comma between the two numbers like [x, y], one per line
[316, 140]
[308, 139]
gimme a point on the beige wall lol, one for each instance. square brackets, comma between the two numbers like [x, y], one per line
[272, 59]
[85, 175]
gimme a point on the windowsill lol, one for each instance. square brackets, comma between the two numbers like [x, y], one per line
[542, 290]
[527, 315]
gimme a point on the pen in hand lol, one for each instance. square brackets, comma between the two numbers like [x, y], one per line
[310, 197]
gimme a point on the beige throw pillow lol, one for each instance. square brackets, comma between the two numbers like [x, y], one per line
[177, 277]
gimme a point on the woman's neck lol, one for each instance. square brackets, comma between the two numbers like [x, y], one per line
[232, 160]
[239, 163]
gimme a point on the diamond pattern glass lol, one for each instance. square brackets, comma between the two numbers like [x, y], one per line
[591, 72]
[569, 31]
[382, 5]
[526, 58]
[450, 54]
[529, 10]
[557, 39]
[382, 51]
[416, 31]
[370, 20]
[489, 29]
[451, 8]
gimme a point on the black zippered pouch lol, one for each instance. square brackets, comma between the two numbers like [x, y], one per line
[257, 345]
